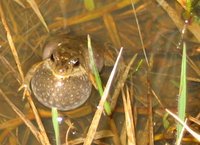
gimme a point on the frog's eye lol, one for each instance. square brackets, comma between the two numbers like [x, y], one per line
[74, 62]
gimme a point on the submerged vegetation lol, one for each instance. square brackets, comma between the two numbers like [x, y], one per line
[160, 49]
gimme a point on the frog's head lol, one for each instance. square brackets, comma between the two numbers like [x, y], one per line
[64, 62]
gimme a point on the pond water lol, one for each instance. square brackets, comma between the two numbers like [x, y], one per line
[112, 25]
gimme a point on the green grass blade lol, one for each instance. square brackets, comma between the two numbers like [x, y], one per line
[165, 121]
[89, 4]
[189, 6]
[54, 113]
[97, 76]
[139, 65]
[182, 92]
[188, 10]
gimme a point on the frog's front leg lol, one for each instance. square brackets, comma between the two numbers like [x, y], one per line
[27, 79]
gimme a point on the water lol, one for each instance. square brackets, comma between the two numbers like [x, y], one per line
[161, 38]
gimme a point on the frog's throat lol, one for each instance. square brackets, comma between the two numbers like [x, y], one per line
[79, 71]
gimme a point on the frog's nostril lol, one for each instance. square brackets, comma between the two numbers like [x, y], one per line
[52, 58]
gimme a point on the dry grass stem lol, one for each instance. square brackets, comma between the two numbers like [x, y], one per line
[112, 29]
[38, 120]
[26, 136]
[123, 136]
[193, 133]
[193, 65]
[143, 135]
[14, 26]
[70, 126]
[20, 3]
[99, 111]
[13, 139]
[35, 132]
[140, 33]
[4, 134]
[195, 120]
[35, 8]
[174, 76]
[116, 139]
[11, 43]
[13, 123]
[194, 27]
[157, 98]
[97, 13]
[98, 135]
[182, 3]
[150, 117]
[152, 33]
[120, 83]
[9, 67]
[130, 12]
[130, 127]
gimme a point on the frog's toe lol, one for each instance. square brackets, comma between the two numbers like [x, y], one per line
[23, 86]
[26, 89]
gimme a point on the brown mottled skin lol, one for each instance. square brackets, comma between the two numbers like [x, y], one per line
[61, 79]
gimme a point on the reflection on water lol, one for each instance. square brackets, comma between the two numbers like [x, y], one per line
[112, 24]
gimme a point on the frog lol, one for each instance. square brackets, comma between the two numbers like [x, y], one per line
[63, 78]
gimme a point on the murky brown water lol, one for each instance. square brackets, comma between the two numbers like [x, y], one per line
[112, 24]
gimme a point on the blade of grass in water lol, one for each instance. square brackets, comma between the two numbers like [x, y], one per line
[165, 121]
[34, 6]
[97, 76]
[96, 119]
[187, 13]
[20, 3]
[193, 133]
[139, 65]
[54, 112]
[89, 4]
[182, 92]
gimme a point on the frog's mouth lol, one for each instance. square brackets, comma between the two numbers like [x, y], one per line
[70, 72]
